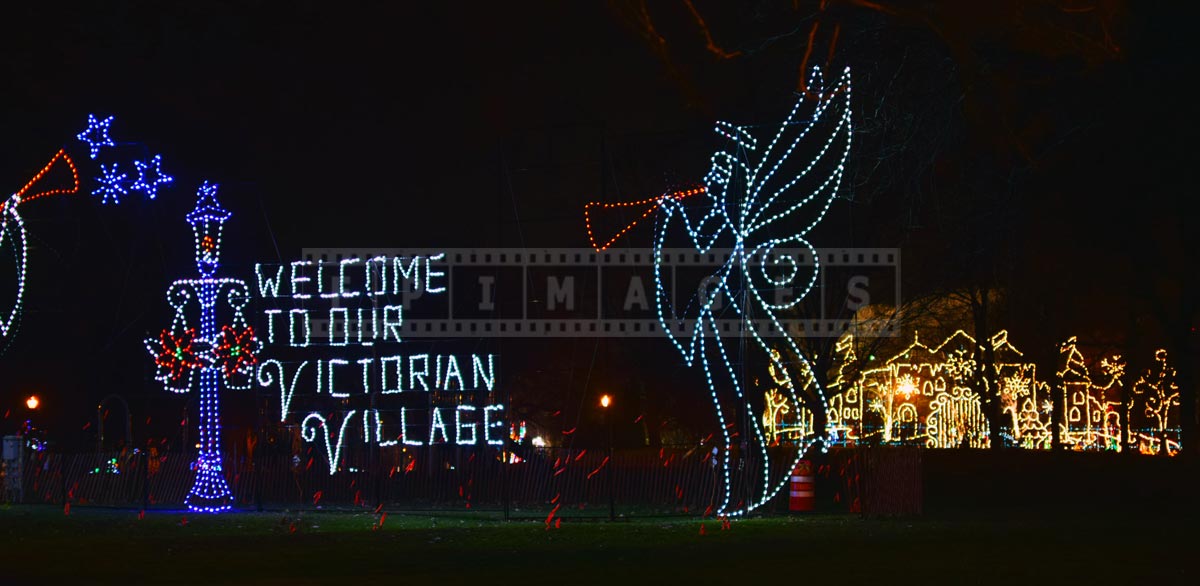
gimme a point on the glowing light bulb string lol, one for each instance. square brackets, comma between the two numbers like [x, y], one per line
[655, 201]
[13, 233]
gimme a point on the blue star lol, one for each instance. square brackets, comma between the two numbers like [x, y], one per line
[146, 184]
[96, 134]
[110, 184]
[207, 191]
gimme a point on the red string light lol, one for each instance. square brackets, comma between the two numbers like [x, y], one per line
[657, 201]
[176, 353]
[61, 154]
[235, 349]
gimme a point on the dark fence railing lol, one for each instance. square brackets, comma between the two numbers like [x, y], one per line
[532, 482]
[525, 482]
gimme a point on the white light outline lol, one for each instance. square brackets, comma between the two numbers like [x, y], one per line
[749, 220]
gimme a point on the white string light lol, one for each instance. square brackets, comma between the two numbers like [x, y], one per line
[12, 232]
[733, 176]
[390, 374]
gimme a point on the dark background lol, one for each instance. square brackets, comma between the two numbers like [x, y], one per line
[1047, 141]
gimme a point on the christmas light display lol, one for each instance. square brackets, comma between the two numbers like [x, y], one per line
[176, 359]
[931, 396]
[845, 403]
[234, 353]
[183, 354]
[13, 234]
[927, 395]
[654, 202]
[150, 176]
[96, 134]
[24, 195]
[1159, 395]
[748, 190]
[344, 321]
[111, 184]
[1092, 418]
[782, 420]
[773, 417]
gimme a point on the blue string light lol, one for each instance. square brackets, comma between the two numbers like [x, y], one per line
[110, 184]
[96, 134]
[148, 183]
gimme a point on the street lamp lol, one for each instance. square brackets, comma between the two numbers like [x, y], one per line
[32, 402]
[605, 402]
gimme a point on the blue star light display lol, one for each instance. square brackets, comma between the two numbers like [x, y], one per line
[150, 176]
[207, 206]
[110, 184]
[96, 134]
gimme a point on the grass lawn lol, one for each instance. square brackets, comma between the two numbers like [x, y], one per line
[41, 545]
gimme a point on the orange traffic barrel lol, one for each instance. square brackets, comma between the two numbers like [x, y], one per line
[802, 496]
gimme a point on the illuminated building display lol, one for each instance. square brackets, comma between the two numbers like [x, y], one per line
[845, 400]
[927, 394]
[1092, 409]
[1157, 396]
[930, 396]
[782, 420]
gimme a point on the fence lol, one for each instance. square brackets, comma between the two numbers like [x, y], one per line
[525, 482]
[645, 482]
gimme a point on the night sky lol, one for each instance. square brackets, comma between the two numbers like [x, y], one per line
[1048, 143]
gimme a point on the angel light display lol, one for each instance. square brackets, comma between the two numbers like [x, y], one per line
[759, 203]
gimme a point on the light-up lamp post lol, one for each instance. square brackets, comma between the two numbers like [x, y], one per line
[605, 402]
[227, 353]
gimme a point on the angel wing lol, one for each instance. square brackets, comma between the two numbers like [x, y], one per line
[802, 167]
